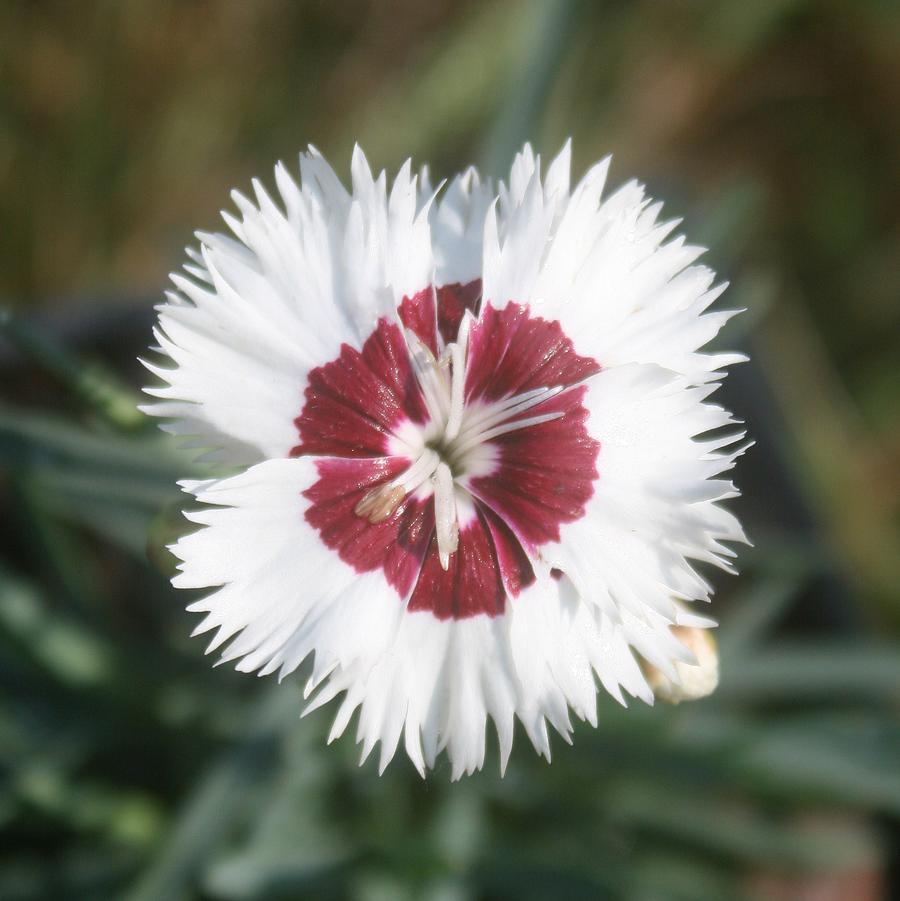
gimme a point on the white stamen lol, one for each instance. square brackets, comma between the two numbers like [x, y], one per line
[458, 378]
[500, 411]
[430, 378]
[420, 471]
[473, 440]
[381, 502]
[445, 521]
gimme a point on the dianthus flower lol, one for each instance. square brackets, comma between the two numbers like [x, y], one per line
[476, 460]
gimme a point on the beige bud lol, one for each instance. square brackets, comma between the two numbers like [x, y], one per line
[697, 681]
[380, 503]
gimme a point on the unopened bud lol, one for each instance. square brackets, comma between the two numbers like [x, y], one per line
[697, 681]
[380, 503]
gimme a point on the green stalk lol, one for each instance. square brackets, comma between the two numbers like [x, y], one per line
[94, 385]
[548, 38]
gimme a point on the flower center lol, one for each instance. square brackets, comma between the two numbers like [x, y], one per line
[452, 445]
[448, 452]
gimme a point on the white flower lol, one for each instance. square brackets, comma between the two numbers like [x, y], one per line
[469, 426]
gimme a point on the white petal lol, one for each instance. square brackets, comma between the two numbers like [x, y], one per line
[441, 682]
[457, 227]
[263, 311]
[603, 269]
[281, 594]
[654, 507]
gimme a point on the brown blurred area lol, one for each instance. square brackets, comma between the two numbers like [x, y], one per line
[125, 124]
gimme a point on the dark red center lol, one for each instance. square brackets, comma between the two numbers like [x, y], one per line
[542, 476]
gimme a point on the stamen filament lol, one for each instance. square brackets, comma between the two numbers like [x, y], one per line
[428, 374]
[474, 440]
[445, 521]
[505, 409]
[380, 503]
[458, 378]
[419, 471]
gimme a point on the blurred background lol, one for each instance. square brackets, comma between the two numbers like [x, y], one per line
[129, 768]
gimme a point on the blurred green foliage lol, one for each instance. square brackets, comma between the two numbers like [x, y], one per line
[130, 769]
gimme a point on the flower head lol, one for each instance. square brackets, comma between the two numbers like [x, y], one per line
[477, 457]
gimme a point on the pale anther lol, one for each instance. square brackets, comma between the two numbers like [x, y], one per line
[377, 505]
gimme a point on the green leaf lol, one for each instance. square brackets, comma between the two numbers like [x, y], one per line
[848, 759]
[94, 384]
[211, 809]
[801, 671]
